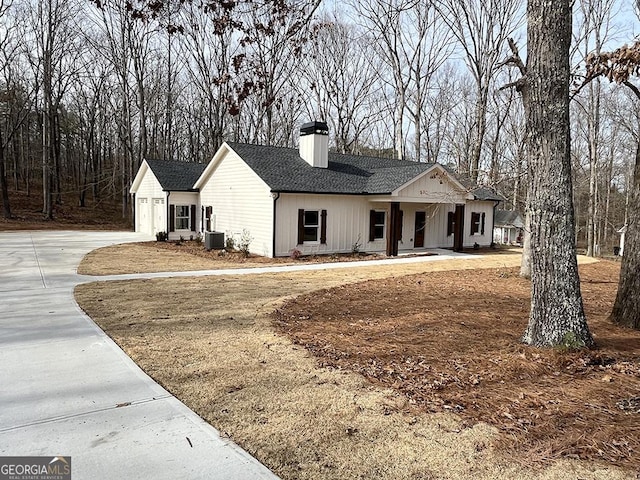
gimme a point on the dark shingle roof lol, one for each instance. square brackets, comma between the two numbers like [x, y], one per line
[283, 170]
[176, 176]
[508, 217]
[485, 193]
[479, 193]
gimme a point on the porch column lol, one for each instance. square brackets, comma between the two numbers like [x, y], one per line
[393, 229]
[458, 229]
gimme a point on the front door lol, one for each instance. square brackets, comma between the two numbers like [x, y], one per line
[419, 233]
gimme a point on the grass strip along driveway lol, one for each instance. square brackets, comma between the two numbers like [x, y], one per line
[294, 399]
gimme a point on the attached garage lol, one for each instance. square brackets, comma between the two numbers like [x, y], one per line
[165, 200]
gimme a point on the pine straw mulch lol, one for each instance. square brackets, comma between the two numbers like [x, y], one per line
[454, 346]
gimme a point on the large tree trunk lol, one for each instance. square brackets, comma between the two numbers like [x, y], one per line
[557, 314]
[626, 309]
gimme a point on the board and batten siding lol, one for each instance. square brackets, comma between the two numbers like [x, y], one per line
[347, 223]
[240, 200]
[151, 215]
[435, 231]
[433, 187]
[480, 207]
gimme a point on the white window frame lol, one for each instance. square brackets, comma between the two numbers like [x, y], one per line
[309, 225]
[383, 225]
[182, 217]
[478, 233]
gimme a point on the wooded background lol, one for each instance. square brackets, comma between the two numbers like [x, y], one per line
[90, 89]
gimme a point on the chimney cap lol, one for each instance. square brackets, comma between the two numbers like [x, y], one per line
[310, 128]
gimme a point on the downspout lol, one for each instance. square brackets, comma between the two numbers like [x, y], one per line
[493, 223]
[134, 210]
[276, 196]
[168, 214]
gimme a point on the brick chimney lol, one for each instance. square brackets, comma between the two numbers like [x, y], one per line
[314, 144]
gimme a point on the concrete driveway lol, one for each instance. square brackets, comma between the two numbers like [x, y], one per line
[67, 389]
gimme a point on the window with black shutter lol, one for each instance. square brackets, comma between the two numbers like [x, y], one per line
[312, 226]
[451, 223]
[475, 223]
[376, 224]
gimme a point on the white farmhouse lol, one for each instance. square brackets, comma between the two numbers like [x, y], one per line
[320, 202]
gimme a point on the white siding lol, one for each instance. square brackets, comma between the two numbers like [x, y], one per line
[435, 231]
[478, 207]
[185, 198]
[147, 220]
[240, 200]
[347, 223]
[433, 187]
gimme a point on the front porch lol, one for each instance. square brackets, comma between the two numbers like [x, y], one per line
[413, 227]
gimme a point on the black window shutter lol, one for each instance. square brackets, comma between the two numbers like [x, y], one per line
[482, 224]
[192, 211]
[300, 226]
[172, 218]
[450, 222]
[209, 210]
[372, 225]
[323, 227]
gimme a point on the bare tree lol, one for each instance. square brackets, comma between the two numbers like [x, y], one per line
[7, 52]
[619, 66]
[482, 30]
[52, 30]
[596, 20]
[339, 82]
[208, 55]
[126, 46]
[401, 31]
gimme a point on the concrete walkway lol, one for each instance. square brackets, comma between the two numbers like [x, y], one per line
[438, 255]
[67, 389]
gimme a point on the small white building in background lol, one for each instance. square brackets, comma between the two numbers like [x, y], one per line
[318, 202]
[508, 228]
[622, 233]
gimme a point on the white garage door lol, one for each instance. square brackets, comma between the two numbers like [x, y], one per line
[143, 217]
[159, 216]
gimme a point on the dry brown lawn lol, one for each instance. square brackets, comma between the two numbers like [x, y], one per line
[312, 413]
